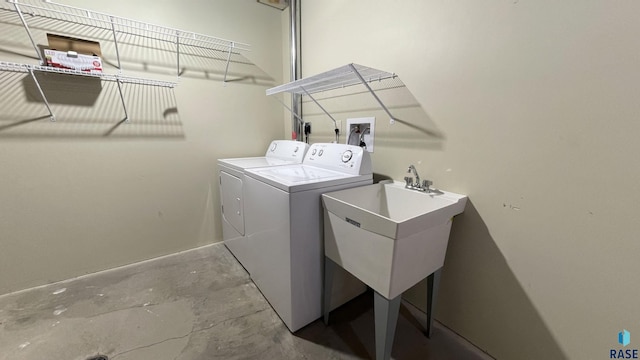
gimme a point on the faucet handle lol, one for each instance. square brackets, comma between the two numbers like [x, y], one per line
[426, 184]
[408, 181]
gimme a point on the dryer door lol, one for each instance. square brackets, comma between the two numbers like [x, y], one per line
[231, 199]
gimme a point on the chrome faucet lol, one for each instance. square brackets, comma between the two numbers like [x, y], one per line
[409, 184]
[415, 173]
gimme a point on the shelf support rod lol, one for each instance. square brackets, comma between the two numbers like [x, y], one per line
[364, 82]
[226, 69]
[115, 41]
[26, 27]
[178, 51]
[44, 98]
[335, 124]
[124, 104]
[290, 110]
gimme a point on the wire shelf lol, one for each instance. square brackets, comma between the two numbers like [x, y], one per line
[337, 78]
[24, 68]
[117, 32]
[53, 11]
[126, 37]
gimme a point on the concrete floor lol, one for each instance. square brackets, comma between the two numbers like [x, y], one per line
[195, 305]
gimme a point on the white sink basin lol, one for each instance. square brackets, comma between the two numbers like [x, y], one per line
[388, 236]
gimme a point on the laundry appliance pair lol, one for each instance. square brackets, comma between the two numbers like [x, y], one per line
[272, 219]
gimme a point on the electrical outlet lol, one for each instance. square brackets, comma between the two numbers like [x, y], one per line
[360, 132]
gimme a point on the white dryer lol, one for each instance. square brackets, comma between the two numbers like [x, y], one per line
[231, 177]
[284, 229]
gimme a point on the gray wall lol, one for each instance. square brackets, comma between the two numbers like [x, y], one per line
[74, 202]
[531, 109]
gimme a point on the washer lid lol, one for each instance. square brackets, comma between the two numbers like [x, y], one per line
[293, 178]
[254, 162]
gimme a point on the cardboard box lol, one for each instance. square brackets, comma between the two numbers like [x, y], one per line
[71, 53]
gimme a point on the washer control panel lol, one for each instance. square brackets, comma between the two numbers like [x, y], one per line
[287, 150]
[340, 157]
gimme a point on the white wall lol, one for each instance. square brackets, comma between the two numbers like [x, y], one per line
[79, 203]
[536, 102]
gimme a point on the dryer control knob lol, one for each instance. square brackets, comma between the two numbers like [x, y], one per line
[347, 155]
[274, 146]
[313, 152]
[321, 152]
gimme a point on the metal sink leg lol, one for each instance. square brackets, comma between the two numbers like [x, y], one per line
[386, 317]
[433, 283]
[329, 270]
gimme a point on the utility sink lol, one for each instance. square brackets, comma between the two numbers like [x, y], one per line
[388, 236]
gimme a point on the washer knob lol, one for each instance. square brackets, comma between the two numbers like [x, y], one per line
[296, 149]
[313, 152]
[320, 152]
[274, 146]
[346, 156]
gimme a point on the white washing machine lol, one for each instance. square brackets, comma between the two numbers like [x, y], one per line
[231, 177]
[284, 228]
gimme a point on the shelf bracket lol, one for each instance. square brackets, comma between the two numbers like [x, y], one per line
[44, 98]
[226, 69]
[124, 104]
[115, 41]
[178, 52]
[364, 82]
[26, 27]
[292, 112]
[335, 124]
